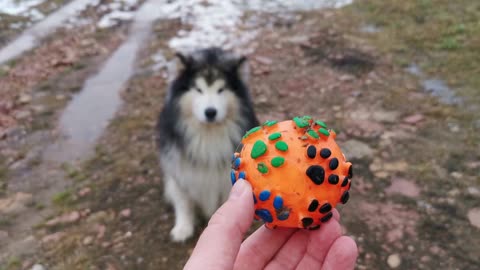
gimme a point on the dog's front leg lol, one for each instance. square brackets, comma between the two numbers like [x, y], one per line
[184, 212]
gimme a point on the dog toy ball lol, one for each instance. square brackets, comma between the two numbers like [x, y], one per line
[297, 171]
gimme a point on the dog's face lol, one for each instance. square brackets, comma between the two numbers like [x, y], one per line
[211, 99]
[210, 87]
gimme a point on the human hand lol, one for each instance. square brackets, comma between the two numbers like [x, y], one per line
[220, 245]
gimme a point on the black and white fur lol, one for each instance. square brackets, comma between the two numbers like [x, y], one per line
[208, 108]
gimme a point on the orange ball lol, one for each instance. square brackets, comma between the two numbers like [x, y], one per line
[297, 171]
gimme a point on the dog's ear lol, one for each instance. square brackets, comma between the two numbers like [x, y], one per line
[186, 61]
[237, 62]
[240, 61]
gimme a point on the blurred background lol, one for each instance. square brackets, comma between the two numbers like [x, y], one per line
[82, 81]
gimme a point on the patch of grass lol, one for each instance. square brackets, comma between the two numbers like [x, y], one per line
[70, 170]
[62, 199]
[13, 263]
[442, 36]
[5, 222]
[3, 178]
[449, 43]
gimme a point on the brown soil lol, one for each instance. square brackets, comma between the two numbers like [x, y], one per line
[415, 176]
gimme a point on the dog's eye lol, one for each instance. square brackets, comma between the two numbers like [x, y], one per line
[221, 90]
[198, 89]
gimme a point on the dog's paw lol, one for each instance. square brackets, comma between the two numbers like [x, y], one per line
[181, 232]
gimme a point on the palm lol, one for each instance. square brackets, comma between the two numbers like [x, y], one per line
[325, 248]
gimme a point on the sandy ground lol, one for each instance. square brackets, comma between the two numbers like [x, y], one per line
[415, 193]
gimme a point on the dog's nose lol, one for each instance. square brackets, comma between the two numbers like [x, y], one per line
[210, 113]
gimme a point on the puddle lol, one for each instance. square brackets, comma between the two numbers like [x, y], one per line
[414, 70]
[370, 28]
[90, 111]
[214, 23]
[29, 38]
[436, 87]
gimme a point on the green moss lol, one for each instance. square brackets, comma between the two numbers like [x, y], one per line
[449, 43]
[13, 263]
[63, 198]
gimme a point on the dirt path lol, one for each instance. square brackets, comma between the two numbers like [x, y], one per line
[414, 203]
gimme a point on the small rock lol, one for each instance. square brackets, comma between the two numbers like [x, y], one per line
[3, 236]
[87, 240]
[403, 187]
[454, 127]
[119, 246]
[23, 114]
[263, 60]
[385, 116]
[64, 219]
[425, 258]
[85, 212]
[16, 203]
[413, 119]
[111, 267]
[38, 109]
[347, 78]
[38, 267]
[24, 99]
[456, 175]
[381, 174]
[394, 235]
[98, 217]
[473, 191]
[474, 217]
[126, 213]
[54, 237]
[301, 40]
[398, 166]
[394, 260]
[473, 165]
[435, 249]
[101, 229]
[60, 97]
[453, 192]
[84, 192]
[354, 149]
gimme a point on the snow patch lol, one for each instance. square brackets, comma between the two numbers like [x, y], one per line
[16, 8]
[118, 10]
[221, 22]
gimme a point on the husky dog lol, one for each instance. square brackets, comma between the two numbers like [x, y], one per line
[207, 110]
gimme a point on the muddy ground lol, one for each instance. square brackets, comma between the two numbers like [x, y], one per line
[415, 202]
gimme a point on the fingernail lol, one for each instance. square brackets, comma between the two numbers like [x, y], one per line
[240, 187]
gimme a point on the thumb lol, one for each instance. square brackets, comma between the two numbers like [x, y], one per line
[220, 242]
